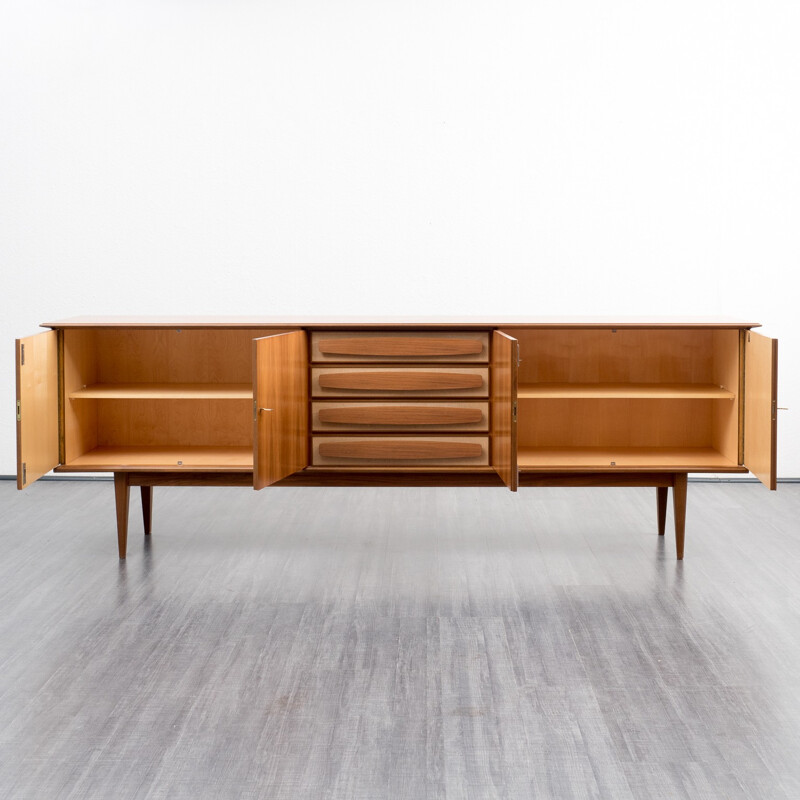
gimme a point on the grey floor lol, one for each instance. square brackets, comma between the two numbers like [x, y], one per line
[399, 643]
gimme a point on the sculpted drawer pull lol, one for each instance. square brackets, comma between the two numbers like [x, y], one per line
[401, 381]
[398, 449]
[400, 346]
[400, 415]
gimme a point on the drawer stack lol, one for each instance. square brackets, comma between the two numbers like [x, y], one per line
[395, 399]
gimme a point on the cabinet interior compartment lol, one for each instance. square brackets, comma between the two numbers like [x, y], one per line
[158, 398]
[646, 398]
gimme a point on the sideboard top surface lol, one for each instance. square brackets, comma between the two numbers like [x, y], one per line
[445, 322]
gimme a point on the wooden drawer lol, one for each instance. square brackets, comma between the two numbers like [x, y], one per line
[400, 381]
[409, 346]
[400, 451]
[398, 416]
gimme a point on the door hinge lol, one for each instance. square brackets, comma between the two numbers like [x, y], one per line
[774, 409]
[514, 411]
[19, 414]
[24, 473]
[22, 355]
[255, 410]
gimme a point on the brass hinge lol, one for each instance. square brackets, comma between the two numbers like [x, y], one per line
[19, 414]
[774, 409]
[514, 412]
[22, 355]
[255, 410]
[24, 473]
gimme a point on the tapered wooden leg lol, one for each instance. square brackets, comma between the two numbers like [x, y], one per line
[147, 508]
[661, 500]
[679, 508]
[122, 492]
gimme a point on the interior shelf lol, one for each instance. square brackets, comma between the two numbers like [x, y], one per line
[692, 459]
[174, 459]
[681, 391]
[164, 391]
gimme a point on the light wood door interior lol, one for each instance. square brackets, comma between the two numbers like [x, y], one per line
[37, 406]
[599, 397]
[280, 425]
[158, 398]
[503, 405]
[760, 407]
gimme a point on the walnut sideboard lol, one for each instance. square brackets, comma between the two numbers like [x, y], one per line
[336, 401]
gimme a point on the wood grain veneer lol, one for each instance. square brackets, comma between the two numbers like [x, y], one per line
[610, 423]
[725, 371]
[505, 365]
[209, 423]
[164, 391]
[668, 459]
[405, 322]
[399, 381]
[760, 407]
[698, 391]
[450, 415]
[37, 396]
[616, 356]
[80, 369]
[398, 450]
[175, 355]
[280, 419]
[406, 451]
[187, 458]
[407, 346]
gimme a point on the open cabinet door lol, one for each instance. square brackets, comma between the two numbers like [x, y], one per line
[280, 413]
[37, 406]
[503, 407]
[761, 407]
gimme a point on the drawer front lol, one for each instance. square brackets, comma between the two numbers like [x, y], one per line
[400, 382]
[405, 451]
[409, 346]
[398, 416]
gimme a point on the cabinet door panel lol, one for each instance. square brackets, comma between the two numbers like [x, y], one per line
[760, 407]
[280, 394]
[503, 403]
[37, 406]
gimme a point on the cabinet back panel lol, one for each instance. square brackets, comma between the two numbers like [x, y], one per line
[622, 423]
[603, 356]
[130, 423]
[169, 356]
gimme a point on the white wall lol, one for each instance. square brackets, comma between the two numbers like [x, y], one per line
[492, 157]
